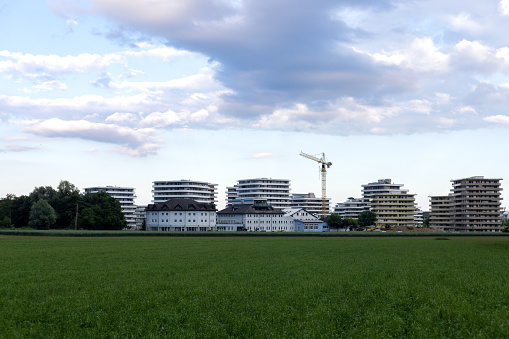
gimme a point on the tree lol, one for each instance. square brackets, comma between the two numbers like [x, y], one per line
[351, 222]
[334, 221]
[6, 222]
[505, 225]
[99, 211]
[143, 225]
[21, 211]
[42, 215]
[67, 197]
[425, 222]
[366, 218]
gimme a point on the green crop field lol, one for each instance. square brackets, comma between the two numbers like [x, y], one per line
[254, 287]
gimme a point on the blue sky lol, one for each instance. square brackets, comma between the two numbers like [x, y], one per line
[116, 92]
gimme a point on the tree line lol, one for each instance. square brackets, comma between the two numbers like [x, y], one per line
[49, 208]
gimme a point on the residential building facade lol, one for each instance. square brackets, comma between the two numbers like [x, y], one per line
[275, 191]
[351, 208]
[140, 215]
[199, 191]
[125, 195]
[258, 216]
[304, 221]
[310, 203]
[181, 215]
[474, 205]
[394, 209]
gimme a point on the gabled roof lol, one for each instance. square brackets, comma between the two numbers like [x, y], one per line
[250, 209]
[181, 205]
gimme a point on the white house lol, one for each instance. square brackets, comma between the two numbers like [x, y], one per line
[181, 215]
[305, 221]
[255, 215]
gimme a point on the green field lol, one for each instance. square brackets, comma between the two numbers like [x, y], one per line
[254, 287]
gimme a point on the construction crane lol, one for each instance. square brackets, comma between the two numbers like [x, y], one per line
[324, 164]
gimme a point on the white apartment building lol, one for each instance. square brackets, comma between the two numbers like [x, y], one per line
[275, 191]
[310, 203]
[125, 195]
[257, 216]
[140, 214]
[199, 191]
[351, 208]
[181, 215]
[382, 186]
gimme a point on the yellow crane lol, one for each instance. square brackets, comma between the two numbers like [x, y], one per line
[324, 165]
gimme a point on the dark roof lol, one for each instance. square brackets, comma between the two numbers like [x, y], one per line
[250, 209]
[181, 205]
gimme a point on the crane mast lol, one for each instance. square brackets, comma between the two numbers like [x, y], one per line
[324, 165]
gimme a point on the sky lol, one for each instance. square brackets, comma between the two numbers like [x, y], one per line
[124, 93]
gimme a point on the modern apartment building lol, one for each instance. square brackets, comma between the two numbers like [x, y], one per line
[140, 214]
[199, 191]
[310, 203]
[275, 191]
[125, 195]
[474, 205]
[351, 208]
[380, 187]
[394, 209]
[181, 215]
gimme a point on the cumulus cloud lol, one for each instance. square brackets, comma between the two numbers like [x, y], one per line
[158, 119]
[137, 142]
[504, 7]
[498, 119]
[122, 118]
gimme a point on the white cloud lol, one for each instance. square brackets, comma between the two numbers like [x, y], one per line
[158, 119]
[50, 85]
[262, 155]
[498, 119]
[162, 52]
[195, 83]
[122, 118]
[137, 142]
[422, 55]
[464, 22]
[465, 109]
[30, 64]
[504, 7]
[474, 50]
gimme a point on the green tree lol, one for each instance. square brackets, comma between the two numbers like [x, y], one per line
[505, 225]
[425, 222]
[6, 222]
[42, 215]
[20, 211]
[366, 218]
[47, 193]
[143, 225]
[67, 197]
[99, 211]
[334, 221]
[351, 222]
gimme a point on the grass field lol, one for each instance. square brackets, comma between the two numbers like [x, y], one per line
[254, 287]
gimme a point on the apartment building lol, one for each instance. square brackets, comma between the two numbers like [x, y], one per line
[125, 195]
[255, 215]
[181, 215]
[474, 205]
[351, 208]
[140, 214]
[394, 209]
[199, 191]
[310, 203]
[275, 191]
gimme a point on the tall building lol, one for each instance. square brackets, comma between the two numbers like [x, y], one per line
[275, 191]
[125, 195]
[199, 191]
[394, 209]
[474, 205]
[310, 203]
[140, 214]
[380, 187]
[351, 208]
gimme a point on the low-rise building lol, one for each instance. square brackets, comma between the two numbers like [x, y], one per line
[181, 215]
[305, 221]
[255, 215]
